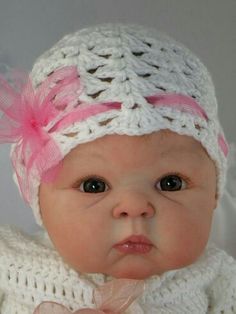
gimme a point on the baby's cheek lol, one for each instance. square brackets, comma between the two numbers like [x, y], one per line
[182, 239]
[83, 246]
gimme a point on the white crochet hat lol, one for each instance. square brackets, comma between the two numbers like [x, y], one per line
[159, 83]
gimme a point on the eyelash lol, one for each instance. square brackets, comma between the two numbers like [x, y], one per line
[180, 175]
[78, 183]
[188, 182]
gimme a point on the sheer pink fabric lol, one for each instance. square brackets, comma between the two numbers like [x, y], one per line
[113, 297]
[31, 115]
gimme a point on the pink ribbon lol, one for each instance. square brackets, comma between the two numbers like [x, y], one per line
[113, 297]
[223, 144]
[180, 102]
[31, 115]
[186, 104]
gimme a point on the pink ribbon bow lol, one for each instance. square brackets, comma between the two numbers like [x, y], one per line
[31, 115]
[112, 297]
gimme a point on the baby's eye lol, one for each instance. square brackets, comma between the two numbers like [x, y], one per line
[93, 185]
[171, 183]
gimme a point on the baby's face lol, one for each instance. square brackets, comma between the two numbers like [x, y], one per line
[131, 207]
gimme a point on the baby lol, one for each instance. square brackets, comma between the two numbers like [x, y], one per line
[118, 149]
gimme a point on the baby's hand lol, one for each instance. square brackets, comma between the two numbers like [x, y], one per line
[55, 308]
[91, 311]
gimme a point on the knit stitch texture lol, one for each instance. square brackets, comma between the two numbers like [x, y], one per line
[31, 271]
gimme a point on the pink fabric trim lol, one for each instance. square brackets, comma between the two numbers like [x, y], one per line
[223, 145]
[187, 104]
[83, 112]
[178, 101]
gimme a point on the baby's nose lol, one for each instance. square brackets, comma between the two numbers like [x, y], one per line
[134, 204]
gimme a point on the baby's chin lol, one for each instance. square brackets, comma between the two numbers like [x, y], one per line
[132, 273]
[129, 267]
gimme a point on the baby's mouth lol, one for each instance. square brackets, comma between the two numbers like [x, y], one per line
[135, 244]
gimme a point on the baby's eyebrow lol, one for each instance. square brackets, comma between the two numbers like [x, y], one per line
[94, 154]
[183, 152]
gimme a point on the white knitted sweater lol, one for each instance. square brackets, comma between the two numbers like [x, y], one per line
[31, 271]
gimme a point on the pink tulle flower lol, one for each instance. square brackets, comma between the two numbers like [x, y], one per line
[31, 114]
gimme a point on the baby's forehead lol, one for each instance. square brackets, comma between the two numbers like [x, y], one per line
[161, 144]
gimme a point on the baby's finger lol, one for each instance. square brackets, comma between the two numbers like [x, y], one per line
[51, 308]
[89, 311]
